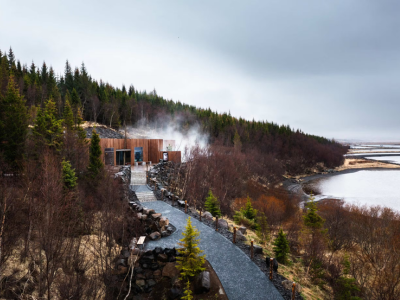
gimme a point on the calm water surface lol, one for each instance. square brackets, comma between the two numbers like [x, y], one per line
[393, 159]
[364, 187]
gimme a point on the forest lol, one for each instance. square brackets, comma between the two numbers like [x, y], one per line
[98, 101]
[59, 205]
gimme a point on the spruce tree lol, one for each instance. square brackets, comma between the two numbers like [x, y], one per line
[190, 263]
[248, 211]
[281, 247]
[95, 163]
[13, 124]
[47, 128]
[68, 116]
[68, 174]
[263, 230]
[212, 205]
[311, 218]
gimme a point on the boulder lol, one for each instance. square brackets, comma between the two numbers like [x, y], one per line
[240, 236]
[258, 250]
[139, 215]
[222, 223]
[207, 215]
[155, 235]
[151, 283]
[156, 216]
[170, 229]
[181, 203]
[162, 257]
[140, 282]
[242, 229]
[144, 217]
[202, 283]
[164, 233]
[157, 274]
[175, 293]
[163, 222]
[170, 270]
[274, 264]
[287, 284]
[157, 250]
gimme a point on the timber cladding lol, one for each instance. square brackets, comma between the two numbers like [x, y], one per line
[152, 149]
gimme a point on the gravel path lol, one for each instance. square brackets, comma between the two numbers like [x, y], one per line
[240, 277]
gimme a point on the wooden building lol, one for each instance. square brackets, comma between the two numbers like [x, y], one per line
[129, 151]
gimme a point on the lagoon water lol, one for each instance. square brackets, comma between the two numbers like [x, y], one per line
[392, 159]
[370, 187]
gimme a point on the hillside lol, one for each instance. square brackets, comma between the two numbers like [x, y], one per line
[97, 101]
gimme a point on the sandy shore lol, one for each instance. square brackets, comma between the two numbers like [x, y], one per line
[361, 163]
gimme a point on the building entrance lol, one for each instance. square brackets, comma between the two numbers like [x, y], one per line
[123, 157]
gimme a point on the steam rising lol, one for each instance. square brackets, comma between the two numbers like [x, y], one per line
[169, 129]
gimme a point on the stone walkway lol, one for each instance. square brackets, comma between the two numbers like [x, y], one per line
[138, 185]
[240, 277]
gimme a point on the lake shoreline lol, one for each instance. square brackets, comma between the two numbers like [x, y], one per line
[303, 184]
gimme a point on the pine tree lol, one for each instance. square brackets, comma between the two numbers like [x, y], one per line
[95, 163]
[187, 292]
[281, 247]
[263, 231]
[68, 116]
[47, 128]
[190, 263]
[212, 205]
[11, 60]
[68, 174]
[248, 211]
[13, 124]
[311, 218]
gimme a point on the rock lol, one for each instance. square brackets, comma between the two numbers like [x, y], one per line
[175, 293]
[120, 262]
[164, 233]
[140, 282]
[164, 222]
[240, 236]
[181, 203]
[207, 215]
[144, 217]
[139, 216]
[125, 253]
[242, 229]
[222, 223]
[258, 250]
[156, 216]
[151, 283]
[170, 270]
[170, 229]
[157, 251]
[155, 235]
[202, 283]
[148, 274]
[148, 211]
[170, 252]
[274, 265]
[162, 257]
[287, 284]
[157, 274]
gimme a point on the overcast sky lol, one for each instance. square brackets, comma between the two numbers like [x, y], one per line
[330, 68]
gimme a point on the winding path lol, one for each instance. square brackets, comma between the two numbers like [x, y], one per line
[240, 277]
